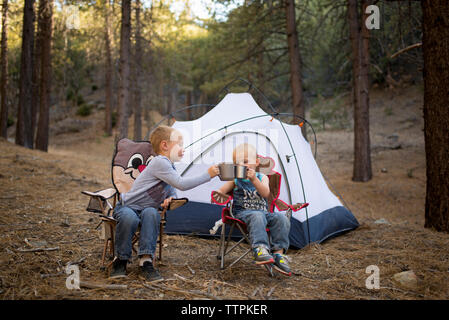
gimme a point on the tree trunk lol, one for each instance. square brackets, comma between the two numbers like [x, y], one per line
[295, 63]
[137, 77]
[4, 71]
[360, 65]
[125, 45]
[436, 112]
[24, 135]
[108, 73]
[36, 74]
[45, 22]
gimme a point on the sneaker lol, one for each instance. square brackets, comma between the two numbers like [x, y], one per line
[262, 256]
[118, 269]
[281, 264]
[149, 273]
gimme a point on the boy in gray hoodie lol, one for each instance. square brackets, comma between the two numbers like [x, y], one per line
[154, 187]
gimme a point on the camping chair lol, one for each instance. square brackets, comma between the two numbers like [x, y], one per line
[130, 158]
[228, 218]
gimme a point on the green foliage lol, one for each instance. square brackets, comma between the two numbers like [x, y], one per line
[80, 100]
[84, 110]
[329, 113]
[182, 53]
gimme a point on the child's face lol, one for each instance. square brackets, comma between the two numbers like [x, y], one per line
[247, 160]
[174, 147]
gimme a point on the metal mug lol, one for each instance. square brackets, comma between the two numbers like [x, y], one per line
[240, 172]
[226, 171]
[230, 171]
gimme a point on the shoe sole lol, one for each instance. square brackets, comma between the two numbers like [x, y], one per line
[275, 267]
[264, 262]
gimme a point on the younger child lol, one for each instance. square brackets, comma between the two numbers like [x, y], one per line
[250, 206]
[154, 187]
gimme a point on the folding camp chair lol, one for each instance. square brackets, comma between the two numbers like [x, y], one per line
[228, 218]
[130, 158]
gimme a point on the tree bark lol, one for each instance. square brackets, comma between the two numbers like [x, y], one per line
[125, 45]
[295, 63]
[108, 72]
[24, 135]
[435, 25]
[4, 71]
[36, 74]
[137, 77]
[360, 66]
[45, 22]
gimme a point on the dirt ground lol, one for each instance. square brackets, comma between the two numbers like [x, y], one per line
[42, 206]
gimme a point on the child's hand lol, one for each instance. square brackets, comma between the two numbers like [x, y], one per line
[166, 202]
[213, 171]
[251, 174]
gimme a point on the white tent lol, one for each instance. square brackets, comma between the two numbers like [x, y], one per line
[211, 138]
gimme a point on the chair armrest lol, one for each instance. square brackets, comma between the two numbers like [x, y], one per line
[282, 206]
[298, 206]
[220, 198]
[177, 202]
[103, 194]
[107, 218]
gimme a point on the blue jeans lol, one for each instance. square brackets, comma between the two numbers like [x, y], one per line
[258, 221]
[128, 221]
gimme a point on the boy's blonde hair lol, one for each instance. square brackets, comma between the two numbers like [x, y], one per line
[158, 135]
[247, 149]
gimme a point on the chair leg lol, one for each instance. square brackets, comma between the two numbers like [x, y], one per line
[229, 238]
[240, 258]
[225, 244]
[161, 232]
[244, 234]
[112, 248]
[135, 239]
[235, 246]
[245, 237]
[105, 247]
[222, 245]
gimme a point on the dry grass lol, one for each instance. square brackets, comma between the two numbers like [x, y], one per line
[41, 200]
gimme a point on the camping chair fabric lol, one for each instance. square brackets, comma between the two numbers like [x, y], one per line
[228, 218]
[129, 160]
[100, 200]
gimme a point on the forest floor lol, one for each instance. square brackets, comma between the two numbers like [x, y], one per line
[42, 206]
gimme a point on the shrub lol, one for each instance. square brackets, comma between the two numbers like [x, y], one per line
[79, 100]
[84, 110]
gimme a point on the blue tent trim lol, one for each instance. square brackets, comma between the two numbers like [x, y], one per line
[196, 218]
[328, 224]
